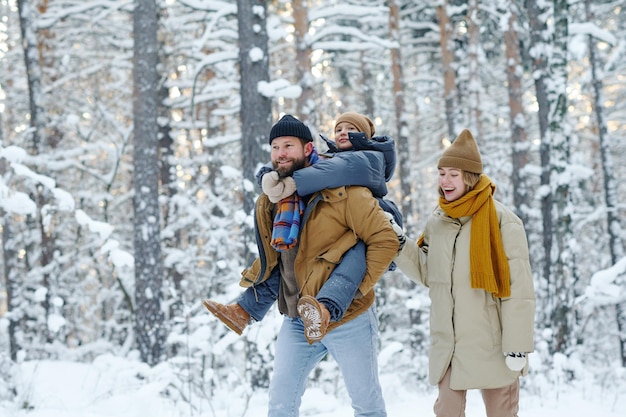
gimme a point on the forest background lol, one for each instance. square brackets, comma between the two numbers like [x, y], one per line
[131, 132]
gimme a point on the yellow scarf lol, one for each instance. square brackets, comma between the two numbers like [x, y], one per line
[489, 272]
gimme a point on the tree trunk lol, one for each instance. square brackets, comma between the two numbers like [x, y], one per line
[519, 140]
[169, 190]
[538, 29]
[366, 83]
[474, 87]
[402, 141]
[150, 331]
[565, 274]
[616, 245]
[306, 105]
[47, 253]
[447, 60]
[33, 74]
[614, 227]
[10, 284]
[36, 137]
[256, 109]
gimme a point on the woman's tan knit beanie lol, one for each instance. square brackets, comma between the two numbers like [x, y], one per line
[462, 154]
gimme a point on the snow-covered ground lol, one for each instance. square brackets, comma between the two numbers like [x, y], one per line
[109, 387]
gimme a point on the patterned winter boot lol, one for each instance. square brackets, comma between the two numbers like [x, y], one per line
[232, 315]
[315, 317]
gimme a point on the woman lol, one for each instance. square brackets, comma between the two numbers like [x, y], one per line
[473, 257]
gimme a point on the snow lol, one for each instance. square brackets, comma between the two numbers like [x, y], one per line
[279, 88]
[17, 202]
[120, 387]
[65, 201]
[590, 29]
[604, 288]
[13, 154]
[114, 386]
[56, 322]
[256, 54]
[102, 228]
[23, 170]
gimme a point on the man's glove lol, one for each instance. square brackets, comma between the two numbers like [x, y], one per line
[396, 228]
[277, 188]
[515, 360]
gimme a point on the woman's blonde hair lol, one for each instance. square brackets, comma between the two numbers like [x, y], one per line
[470, 179]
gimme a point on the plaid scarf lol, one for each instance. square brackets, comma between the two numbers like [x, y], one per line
[489, 266]
[287, 222]
[289, 211]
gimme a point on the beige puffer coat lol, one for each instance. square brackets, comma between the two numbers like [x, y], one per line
[470, 329]
[335, 219]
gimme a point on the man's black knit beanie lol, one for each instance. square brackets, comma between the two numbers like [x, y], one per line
[290, 126]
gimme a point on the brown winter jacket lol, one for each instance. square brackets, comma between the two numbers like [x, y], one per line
[335, 219]
[470, 329]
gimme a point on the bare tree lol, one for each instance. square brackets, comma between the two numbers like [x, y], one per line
[551, 76]
[303, 60]
[519, 139]
[9, 259]
[563, 321]
[402, 141]
[150, 332]
[614, 229]
[256, 109]
[33, 73]
[366, 80]
[473, 31]
[447, 60]
[35, 140]
[537, 16]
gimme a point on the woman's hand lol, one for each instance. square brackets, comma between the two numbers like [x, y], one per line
[515, 360]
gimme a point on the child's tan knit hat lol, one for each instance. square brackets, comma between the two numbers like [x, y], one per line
[362, 123]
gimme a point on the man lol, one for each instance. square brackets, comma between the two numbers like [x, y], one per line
[372, 166]
[305, 237]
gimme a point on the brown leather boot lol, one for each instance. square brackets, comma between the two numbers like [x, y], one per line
[315, 317]
[232, 315]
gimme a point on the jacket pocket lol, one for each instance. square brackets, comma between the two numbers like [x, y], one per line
[337, 249]
[332, 255]
[493, 311]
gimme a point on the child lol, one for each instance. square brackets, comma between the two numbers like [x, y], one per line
[473, 257]
[371, 168]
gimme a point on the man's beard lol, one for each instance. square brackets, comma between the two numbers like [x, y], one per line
[296, 164]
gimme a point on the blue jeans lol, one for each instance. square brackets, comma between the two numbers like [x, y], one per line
[352, 345]
[336, 294]
[258, 299]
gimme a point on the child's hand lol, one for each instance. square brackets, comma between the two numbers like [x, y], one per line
[277, 188]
